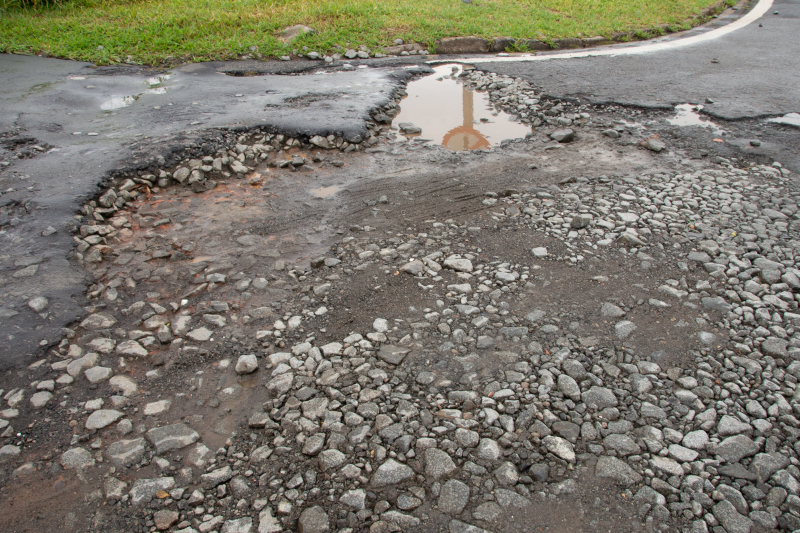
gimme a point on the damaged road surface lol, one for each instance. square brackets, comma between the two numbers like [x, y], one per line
[349, 326]
[67, 125]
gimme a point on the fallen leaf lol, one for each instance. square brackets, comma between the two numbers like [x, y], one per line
[718, 141]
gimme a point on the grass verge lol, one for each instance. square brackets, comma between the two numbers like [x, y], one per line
[157, 32]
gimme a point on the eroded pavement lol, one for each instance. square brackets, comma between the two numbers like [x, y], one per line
[592, 328]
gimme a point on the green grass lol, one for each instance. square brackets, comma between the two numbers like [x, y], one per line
[158, 32]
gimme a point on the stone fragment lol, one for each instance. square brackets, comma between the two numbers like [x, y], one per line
[102, 418]
[453, 497]
[560, 447]
[391, 473]
[438, 463]
[393, 355]
[247, 364]
[126, 452]
[563, 136]
[238, 525]
[172, 437]
[313, 520]
[76, 458]
[143, 490]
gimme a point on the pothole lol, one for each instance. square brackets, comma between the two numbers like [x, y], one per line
[442, 110]
[689, 115]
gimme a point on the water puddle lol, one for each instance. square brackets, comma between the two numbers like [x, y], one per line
[118, 102]
[791, 119]
[441, 109]
[689, 115]
[326, 192]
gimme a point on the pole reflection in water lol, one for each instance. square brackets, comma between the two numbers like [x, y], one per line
[450, 114]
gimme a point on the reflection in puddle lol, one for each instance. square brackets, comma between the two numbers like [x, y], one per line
[118, 102]
[792, 119]
[688, 115]
[440, 108]
[158, 80]
[326, 192]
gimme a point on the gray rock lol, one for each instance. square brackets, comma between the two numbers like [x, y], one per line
[734, 449]
[507, 474]
[622, 444]
[569, 387]
[173, 437]
[9, 452]
[76, 458]
[616, 470]
[611, 310]
[509, 498]
[696, 440]
[239, 525]
[453, 497]
[600, 397]
[314, 444]
[280, 385]
[391, 473]
[40, 399]
[729, 425]
[624, 329]
[775, 347]
[458, 264]
[102, 418]
[730, 519]
[96, 374]
[467, 438]
[438, 463]
[355, 499]
[216, 477]
[131, 349]
[666, 465]
[313, 520]
[126, 452]
[331, 459]
[654, 145]
[98, 321]
[393, 355]
[247, 364]
[764, 465]
[488, 450]
[716, 304]
[563, 136]
[560, 447]
[487, 511]
[144, 490]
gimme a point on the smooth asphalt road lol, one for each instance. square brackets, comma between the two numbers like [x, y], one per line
[752, 72]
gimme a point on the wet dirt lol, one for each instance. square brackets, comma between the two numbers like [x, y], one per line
[443, 110]
[41, 502]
